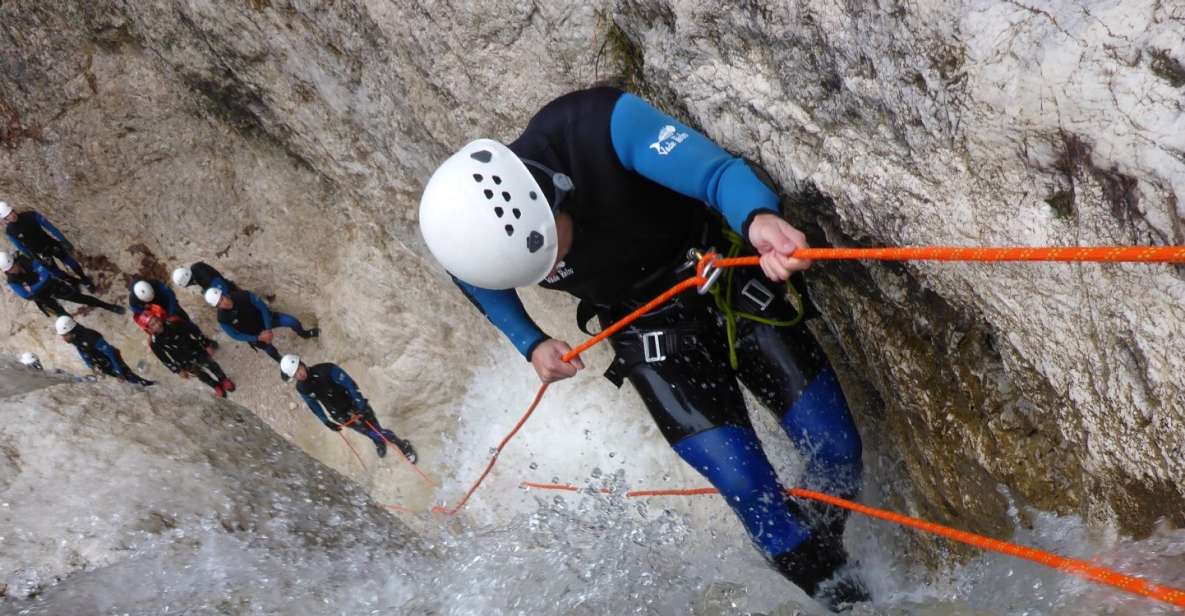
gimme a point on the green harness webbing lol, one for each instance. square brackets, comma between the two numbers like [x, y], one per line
[723, 296]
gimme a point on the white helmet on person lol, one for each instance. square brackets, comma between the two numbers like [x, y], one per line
[213, 296]
[64, 325]
[5, 209]
[29, 359]
[182, 276]
[143, 291]
[486, 220]
[289, 364]
[6, 261]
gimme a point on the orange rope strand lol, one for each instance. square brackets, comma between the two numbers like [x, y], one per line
[1080, 568]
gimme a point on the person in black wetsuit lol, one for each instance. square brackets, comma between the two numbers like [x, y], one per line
[203, 276]
[182, 351]
[245, 317]
[603, 197]
[326, 388]
[96, 353]
[32, 280]
[28, 233]
[146, 293]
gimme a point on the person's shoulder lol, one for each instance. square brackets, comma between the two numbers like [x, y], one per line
[576, 105]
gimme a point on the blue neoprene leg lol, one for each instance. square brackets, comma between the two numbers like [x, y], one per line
[279, 319]
[821, 425]
[732, 459]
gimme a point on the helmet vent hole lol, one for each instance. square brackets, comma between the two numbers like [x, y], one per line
[509, 230]
[477, 177]
[517, 214]
[482, 156]
[489, 194]
[506, 196]
[534, 196]
[500, 212]
[497, 180]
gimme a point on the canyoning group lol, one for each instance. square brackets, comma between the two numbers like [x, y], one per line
[176, 340]
[606, 198]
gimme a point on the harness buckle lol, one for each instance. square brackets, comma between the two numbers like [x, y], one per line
[756, 292]
[652, 346]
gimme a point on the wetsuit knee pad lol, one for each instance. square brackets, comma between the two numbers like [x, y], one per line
[732, 459]
[821, 425]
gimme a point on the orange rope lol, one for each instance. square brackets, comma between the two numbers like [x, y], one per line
[354, 451]
[1080, 568]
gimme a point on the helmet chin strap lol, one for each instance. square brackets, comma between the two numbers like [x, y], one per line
[559, 181]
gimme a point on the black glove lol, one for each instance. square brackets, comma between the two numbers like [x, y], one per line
[333, 426]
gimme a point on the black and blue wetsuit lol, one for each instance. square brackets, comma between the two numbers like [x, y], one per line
[99, 355]
[334, 398]
[250, 316]
[641, 179]
[179, 348]
[44, 285]
[28, 235]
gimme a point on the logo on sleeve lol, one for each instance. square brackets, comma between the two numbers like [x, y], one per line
[562, 271]
[669, 138]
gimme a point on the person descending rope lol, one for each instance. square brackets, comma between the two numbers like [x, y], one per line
[96, 353]
[602, 196]
[145, 293]
[203, 276]
[329, 386]
[27, 232]
[32, 280]
[31, 361]
[182, 351]
[246, 318]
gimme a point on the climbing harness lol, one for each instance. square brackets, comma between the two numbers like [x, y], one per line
[707, 272]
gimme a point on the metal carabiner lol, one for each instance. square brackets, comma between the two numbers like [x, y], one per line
[710, 274]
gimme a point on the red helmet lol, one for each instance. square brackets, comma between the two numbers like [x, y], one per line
[143, 319]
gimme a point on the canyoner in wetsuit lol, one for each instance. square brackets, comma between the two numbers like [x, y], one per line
[203, 276]
[334, 398]
[245, 317]
[96, 352]
[32, 280]
[628, 186]
[146, 293]
[181, 350]
[28, 233]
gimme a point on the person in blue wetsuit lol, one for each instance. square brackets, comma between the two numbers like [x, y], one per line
[34, 236]
[334, 398]
[246, 318]
[602, 196]
[46, 287]
[96, 352]
[144, 293]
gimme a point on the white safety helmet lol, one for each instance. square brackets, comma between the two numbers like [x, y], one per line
[213, 296]
[182, 276]
[289, 365]
[64, 325]
[29, 359]
[6, 261]
[144, 291]
[5, 209]
[486, 220]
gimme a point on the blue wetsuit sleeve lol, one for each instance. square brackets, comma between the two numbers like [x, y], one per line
[135, 305]
[236, 334]
[48, 226]
[265, 313]
[315, 407]
[340, 377]
[43, 277]
[220, 284]
[20, 246]
[505, 310]
[108, 350]
[170, 298]
[666, 151]
[20, 290]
